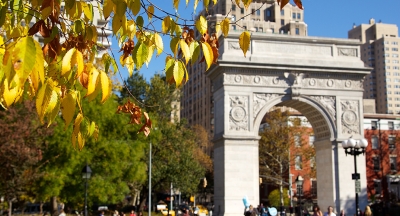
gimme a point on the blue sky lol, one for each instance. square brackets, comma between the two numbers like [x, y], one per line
[325, 18]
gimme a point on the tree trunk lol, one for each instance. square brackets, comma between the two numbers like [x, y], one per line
[280, 185]
[53, 206]
[41, 208]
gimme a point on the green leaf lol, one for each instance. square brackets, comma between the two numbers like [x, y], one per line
[139, 22]
[140, 54]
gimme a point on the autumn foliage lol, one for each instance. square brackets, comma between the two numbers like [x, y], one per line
[65, 67]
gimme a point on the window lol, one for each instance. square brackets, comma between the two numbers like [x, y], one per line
[233, 7]
[260, 29]
[395, 55]
[233, 27]
[282, 12]
[298, 16]
[297, 31]
[282, 22]
[258, 12]
[395, 49]
[374, 125]
[242, 10]
[376, 162]
[299, 189]
[272, 30]
[296, 139]
[390, 124]
[374, 142]
[245, 27]
[268, 14]
[294, 15]
[393, 163]
[233, 18]
[297, 161]
[311, 140]
[253, 11]
[392, 141]
[314, 187]
[394, 43]
[377, 186]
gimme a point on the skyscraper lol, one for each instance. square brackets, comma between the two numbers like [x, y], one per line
[263, 18]
[380, 51]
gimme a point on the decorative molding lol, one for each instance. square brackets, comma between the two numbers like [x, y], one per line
[260, 100]
[238, 114]
[350, 118]
[234, 45]
[329, 102]
[347, 52]
[292, 49]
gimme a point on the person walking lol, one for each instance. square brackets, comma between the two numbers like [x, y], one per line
[330, 212]
[367, 211]
[342, 213]
[317, 211]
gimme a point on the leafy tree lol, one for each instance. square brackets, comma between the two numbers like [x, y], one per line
[21, 137]
[277, 146]
[60, 73]
[275, 198]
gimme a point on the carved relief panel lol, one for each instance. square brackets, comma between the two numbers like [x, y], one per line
[260, 100]
[328, 102]
[350, 117]
[239, 113]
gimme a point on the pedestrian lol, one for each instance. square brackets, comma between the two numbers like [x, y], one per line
[317, 211]
[342, 213]
[102, 213]
[132, 213]
[62, 213]
[367, 211]
[116, 213]
[330, 212]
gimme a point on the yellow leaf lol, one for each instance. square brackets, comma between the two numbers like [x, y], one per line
[238, 2]
[81, 141]
[176, 4]
[185, 50]
[12, 95]
[225, 26]
[206, 3]
[68, 105]
[183, 70]
[244, 42]
[53, 106]
[105, 86]
[165, 24]
[108, 8]
[87, 10]
[215, 2]
[208, 54]
[201, 25]
[194, 51]
[135, 6]
[159, 43]
[92, 80]
[169, 69]
[150, 54]
[218, 28]
[187, 2]
[117, 23]
[140, 54]
[77, 123]
[174, 45]
[37, 74]
[23, 58]
[66, 62]
[77, 61]
[178, 75]
[120, 7]
[246, 3]
[128, 63]
[46, 12]
[150, 11]
[196, 2]
[47, 100]
[94, 30]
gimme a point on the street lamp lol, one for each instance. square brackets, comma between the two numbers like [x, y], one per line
[355, 148]
[86, 173]
[299, 184]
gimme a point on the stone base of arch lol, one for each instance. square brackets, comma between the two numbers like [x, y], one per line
[236, 174]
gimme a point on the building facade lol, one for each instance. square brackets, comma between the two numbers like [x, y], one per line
[380, 51]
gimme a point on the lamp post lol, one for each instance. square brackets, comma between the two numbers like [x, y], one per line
[299, 184]
[86, 173]
[355, 148]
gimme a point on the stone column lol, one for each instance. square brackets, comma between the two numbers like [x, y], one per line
[236, 175]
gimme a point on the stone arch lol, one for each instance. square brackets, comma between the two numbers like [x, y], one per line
[322, 118]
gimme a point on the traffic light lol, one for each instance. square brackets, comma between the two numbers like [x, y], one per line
[204, 182]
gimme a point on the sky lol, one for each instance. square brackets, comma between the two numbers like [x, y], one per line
[325, 18]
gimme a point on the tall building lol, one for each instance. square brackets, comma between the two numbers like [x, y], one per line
[197, 102]
[380, 51]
